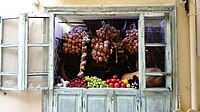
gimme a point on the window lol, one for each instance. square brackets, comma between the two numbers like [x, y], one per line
[24, 52]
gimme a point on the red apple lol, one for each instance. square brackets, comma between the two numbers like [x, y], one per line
[111, 85]
[113, 80]
[120, 82]
[115, 76]
[108, 81]
[117, 85]
[123, 85]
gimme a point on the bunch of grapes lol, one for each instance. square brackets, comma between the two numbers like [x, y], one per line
[74, 40]
[94, 82]
[131, 41]
[78, 82]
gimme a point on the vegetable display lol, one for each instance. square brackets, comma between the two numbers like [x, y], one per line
[101, 45]
[75, 39]
[131, 40]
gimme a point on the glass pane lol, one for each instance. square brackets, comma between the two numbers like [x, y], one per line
[155, 58]
[155, 30]
[9, 81]
[10, 31]
[37, 30]
[37, 82]
[9, 60]
[155, 81]
[38, 59]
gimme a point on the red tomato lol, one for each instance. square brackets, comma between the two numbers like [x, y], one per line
[117, 85]
[108, 81]
[115, 76]
[123, 85]
[120, 82]
[111, 85]
[113, 80]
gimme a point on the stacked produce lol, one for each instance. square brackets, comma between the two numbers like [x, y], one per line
[131, 40]
[115, 82]
[75, 39]
[78, 82]
[102, 44]
[94, 82]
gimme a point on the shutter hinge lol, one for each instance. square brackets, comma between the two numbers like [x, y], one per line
[3, 91]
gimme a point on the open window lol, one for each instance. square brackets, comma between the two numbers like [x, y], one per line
[10, 74]
[24, 52]
[155, 57]
[120, 58]
[37, 52]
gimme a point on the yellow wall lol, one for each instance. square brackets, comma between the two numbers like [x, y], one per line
[28, 101]
[21, 101]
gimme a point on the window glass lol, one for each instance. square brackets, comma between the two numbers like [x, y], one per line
[155, 30]
[10, 59]
[10, 31]
[37, 59]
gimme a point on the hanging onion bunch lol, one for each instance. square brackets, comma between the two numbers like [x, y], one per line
[107, 32]
[100, 50]
[131, 40]
[75, 40]
[101, 45]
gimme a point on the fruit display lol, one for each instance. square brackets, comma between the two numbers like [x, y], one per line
[115, 82]
[104, 46]
[131, 40]
[75, 39]
[94, 82]
[78, 82]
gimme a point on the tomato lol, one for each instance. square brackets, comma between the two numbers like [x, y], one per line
[120, 82]
[117, 85]
[108, 81]
[113, 80]
[123, 85]
[115, 76]
[111, 85]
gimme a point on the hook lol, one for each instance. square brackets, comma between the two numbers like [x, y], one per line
[3, 92]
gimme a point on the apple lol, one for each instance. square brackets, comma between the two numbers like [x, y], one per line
[123, 85]
[113, 80]
[108, 81]
[111, 85]
[117, 85]
[120, 82]
[115, 76]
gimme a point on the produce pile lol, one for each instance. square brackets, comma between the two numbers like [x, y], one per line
[131, 40]
[95, 82]
[102, 44]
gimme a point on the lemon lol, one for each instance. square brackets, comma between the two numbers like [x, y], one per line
[125, 81]
[128, 85]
